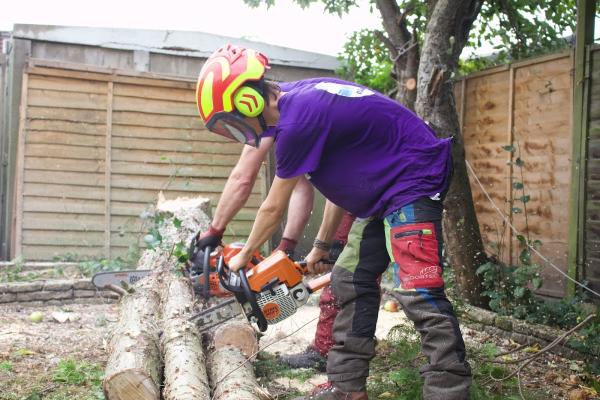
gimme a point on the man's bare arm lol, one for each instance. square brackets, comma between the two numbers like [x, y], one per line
[267, 219]
[332, 216]
[301, 205]
[239, 185]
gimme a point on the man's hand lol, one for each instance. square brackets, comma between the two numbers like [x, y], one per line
[313, 264]
[212, 237]
[239, 261]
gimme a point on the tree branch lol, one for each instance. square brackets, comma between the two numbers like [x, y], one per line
[394, 21]
[555, 342]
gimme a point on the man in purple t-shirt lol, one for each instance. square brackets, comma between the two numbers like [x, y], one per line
[374, 158]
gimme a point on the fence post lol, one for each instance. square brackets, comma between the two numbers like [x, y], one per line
[107, 169]
[586, 12]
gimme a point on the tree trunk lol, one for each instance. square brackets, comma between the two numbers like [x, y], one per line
[231, 373]
[133, 368]
[185, 371]
[404, 51]
[448, 28]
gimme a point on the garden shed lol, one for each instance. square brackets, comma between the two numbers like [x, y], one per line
[95, 122]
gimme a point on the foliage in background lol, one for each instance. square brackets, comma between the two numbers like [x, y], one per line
[525, 28]
[511, 288]
[517, 29]
[365, 60]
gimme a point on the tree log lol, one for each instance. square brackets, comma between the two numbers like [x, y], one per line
[185, 370]
[232, 375]
[231, 372]
[134, 365]
[133, 368]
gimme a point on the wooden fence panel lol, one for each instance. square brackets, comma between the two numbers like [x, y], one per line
[97, 147]
[592, 217]
[55, 145]
[485, 120]
[542, 133]
[527, 105]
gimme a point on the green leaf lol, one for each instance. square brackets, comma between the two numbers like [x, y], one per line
[484, 268]
[521, 238]
[509, 148]
[525, 256]
[525, 198]
[176, 222]
[519, 162]
[536, 282]
[517, 185]
[519, 292]
[516, 210]
[149, 239]
[180, 251]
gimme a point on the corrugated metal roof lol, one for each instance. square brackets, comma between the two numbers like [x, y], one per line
[192, 44]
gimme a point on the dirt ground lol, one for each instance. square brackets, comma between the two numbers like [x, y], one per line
[31, 353]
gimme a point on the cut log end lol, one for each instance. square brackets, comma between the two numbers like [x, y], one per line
[237, 334]
[130, 385]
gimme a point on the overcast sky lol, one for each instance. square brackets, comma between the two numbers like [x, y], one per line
[284, 24]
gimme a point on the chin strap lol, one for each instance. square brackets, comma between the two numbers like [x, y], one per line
[263, 123]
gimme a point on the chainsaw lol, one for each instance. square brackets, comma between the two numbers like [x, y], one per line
[266, 293]
[201, 263]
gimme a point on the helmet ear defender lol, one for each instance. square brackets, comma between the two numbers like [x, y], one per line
[248, 101]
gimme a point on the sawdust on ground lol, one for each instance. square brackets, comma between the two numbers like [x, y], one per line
[34, 349]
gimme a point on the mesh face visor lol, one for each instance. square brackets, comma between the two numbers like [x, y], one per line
[233, 127]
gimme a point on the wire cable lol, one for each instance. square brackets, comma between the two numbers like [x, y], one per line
[508, 223]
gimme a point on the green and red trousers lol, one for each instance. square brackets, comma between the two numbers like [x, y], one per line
[410, 241]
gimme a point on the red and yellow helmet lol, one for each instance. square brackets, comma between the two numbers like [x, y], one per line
[223, 95]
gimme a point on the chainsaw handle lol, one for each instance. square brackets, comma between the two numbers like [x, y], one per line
[303, 265]
[261, 321]
[206, 272]
[225, 276]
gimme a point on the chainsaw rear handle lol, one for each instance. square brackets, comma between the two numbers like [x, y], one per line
[320, 282]
[303, 264]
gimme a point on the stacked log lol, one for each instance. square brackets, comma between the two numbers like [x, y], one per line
[132, 371]
[185, 370]
[153, 327]
[231, 374]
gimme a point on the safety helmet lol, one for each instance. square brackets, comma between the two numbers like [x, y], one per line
[229, 89]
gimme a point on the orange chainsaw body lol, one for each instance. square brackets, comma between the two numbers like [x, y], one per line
[228, 251]
[278, 267]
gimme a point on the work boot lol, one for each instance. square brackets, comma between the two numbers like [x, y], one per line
[309, 358]
[330, 392]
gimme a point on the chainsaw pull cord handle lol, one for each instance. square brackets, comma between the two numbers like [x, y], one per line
[206, 272]
[261, 321]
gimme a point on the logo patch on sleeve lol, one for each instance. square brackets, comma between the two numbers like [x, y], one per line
[343, 90]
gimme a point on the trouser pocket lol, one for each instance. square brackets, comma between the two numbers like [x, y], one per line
[415, 250]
